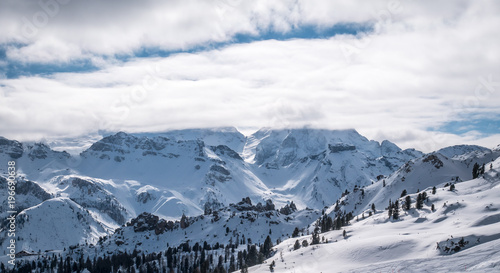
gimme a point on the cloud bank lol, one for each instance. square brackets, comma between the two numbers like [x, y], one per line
[421, 66]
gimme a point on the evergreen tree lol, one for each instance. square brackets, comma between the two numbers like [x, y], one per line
[271, 266]
[475, 171]
[315, 236]
[296, 245]
[432, 207]
[389, 209]
[434, 190]
[296, 232]
[232, 266]
[395, 211]
[408, 202]
[419, 202]
[452, 187]
[373, 207]
[344, 234]
[403, 193]
[266, 248]
[252, 257]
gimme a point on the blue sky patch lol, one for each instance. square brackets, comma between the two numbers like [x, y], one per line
[486, 127]
[18, 69]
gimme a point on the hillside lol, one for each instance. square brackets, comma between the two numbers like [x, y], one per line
[239, 196]
[421, 239]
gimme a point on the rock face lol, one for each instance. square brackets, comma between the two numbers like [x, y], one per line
[288, 209]
[12, 148]
[90, 195]
[224, 150]
[246, 205]
[434, 160]
[337, 148]
[28, 194]
[146, 221]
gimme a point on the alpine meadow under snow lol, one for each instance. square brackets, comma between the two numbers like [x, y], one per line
[215, 200]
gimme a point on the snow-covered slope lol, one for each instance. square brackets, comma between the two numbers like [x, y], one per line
[195, 172]
[191, 170]
[54, 224]
[240, 223]
[185, 176]
[315, 166]
[431, 170]
[421, 240]
[28, 194]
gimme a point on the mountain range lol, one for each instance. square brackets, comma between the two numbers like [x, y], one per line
[148, 191]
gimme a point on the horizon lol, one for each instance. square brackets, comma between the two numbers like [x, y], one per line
[74, 146]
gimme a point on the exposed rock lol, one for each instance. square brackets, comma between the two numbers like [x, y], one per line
[11, 147]
[337, 148]
[288, 209]
[434, 160]
[224, 150]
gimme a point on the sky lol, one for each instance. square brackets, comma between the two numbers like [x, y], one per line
[423, 74]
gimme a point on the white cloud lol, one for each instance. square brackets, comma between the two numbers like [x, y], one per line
[424, 65]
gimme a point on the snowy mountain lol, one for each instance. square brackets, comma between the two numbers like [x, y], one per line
[314, 167]
[143, 192]
[453, 231]
[56, 224]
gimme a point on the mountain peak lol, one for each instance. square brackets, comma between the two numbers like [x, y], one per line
[12, 148]
[461, 150]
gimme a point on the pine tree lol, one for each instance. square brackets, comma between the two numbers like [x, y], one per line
[418, 204]
[295, 232]
[395, 211]
[432, 207]
[434, 190]
[232, 266]
[373, 207]
[271, 266]
[452, 187]
[475, 171]
[296, 245]
[408, 202]
[403, 193]
[389, 211]
[344, 234]
[315, 236]
[252, 257]
[266, 248]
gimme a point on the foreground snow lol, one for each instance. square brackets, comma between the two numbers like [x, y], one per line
[377, 244]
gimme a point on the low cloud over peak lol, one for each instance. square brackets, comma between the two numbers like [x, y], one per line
[399, 70]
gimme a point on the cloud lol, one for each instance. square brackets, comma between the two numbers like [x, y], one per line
[423, 65]
[122, 27]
